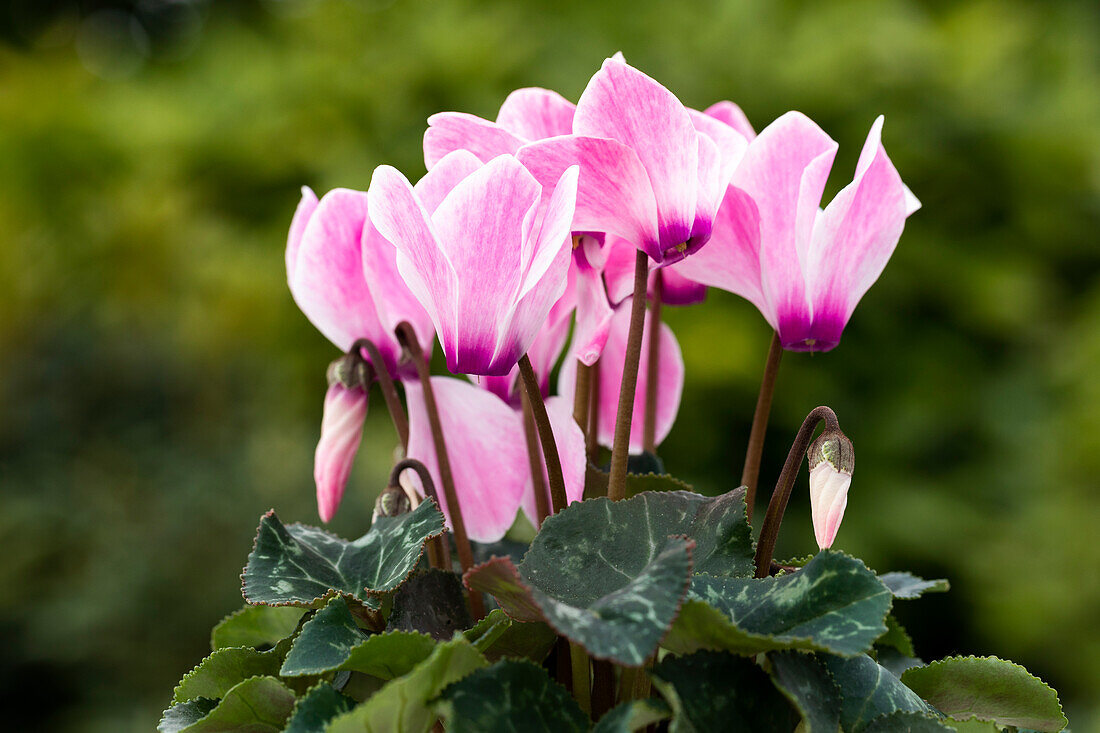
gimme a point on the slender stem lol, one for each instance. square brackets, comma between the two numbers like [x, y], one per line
[534, 456]
[407, 336]
[653, 364]
[439, 555]
[782, 494]
[620, 447]
[592, 434]
[389, 391]
[603, 687]
[633, 683]
[582, 682]
[546, 434]
[563, 663]
[755, 450]
[581, 395]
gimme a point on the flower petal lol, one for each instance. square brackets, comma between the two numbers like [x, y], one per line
[593, 316]
[534, 114]
[676, 288]
[853, 240]
[622, 103]
[443, 176]
[670, 377]
[341, 433]
[613, 194]
[306, 206]
[450, 131]
[327, 282]
[571, 451]
[732, 115]
[828, 499]
[487, 455]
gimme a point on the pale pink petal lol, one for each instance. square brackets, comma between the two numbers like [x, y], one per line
[730, 141]
[400, 217]
[534, 114]
[306, 206]
[552, 336]
[784, 172]
[341, 432]
[445, 175]
[571, 452]
[669, 389]
[614, 193]
[485, 227]
[623, 104]
[327, 282]
[450, 131]
[732, 115]
[618, 270]
[709, 190]
[828, 499]
[487, 453]
[853, 240]
[594, 315]
[731, 259]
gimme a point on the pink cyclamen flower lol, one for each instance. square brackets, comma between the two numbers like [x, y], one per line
[488, 455]
[652, 171]
[341, 433]
[487, 263]
[670, 378]
[805, 268]
[832, 461]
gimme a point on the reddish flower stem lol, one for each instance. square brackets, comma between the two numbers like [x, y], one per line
[592, 434]
[653, 363]
[546, 435]
[534, 456]
[751, 472]
[439, 555]
[389, 391]
[620, 447]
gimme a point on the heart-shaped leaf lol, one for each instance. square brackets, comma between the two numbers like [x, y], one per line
[257, 705]
[225, 668]
[833, 604]
[497, 637]
[299, 565]
[867, 691]
[809, 688]
[989, 689]
[256, 626]
[402, 704]
[510, 695]
[316, 708]
[711, 691]
[908, 586]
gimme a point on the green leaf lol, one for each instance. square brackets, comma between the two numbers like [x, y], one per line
[498, 637]
[256, 705]
[990, 689]
[711, 691]
[402, 704]
[634, 715]
[908, 586]
[895, 662]
[256, 626]
[639, 479]
[896, 637]
[225, 668]
[833, 604]
[906, 722]
[300, 565]
[511, 695]
[183, 714]
[316, 708]
[810, 689]
[867, 691]
[433, 603]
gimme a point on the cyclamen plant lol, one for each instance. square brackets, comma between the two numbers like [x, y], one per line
[639, 603]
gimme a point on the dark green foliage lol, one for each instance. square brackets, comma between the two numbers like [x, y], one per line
[433, 603]
[634, 715]
[314, 709]
[809, 687]
[868, 691]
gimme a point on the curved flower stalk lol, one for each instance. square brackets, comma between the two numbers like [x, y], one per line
[670, 381]
[488, 262]
[489, 461]
[805, 268]
[648, 174]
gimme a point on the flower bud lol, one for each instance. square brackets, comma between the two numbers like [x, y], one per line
[391, 502]
[341, 432]
[832, 460]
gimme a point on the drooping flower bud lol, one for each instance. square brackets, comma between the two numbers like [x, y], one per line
[391, 502]
[341, 431]
[832, 460]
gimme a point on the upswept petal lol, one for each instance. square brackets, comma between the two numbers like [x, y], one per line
[485, 229]
[451, 169]
[450, 131]
[731, 143]
[670, 380]
[733, 116]
[488, 461]
[784, 172]
[400, 217]
[306, 206]
[709, 190]
[853, 240]
[327, 280]
[676, 287]
[593, 316]
[570, 441]
[341, 432]
[533, 114]
[731, 260]
[624, 104]
[614, 194]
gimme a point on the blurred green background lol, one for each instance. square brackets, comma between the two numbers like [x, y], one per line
[159, 390]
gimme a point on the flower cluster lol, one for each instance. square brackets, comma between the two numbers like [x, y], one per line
[543, 233]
